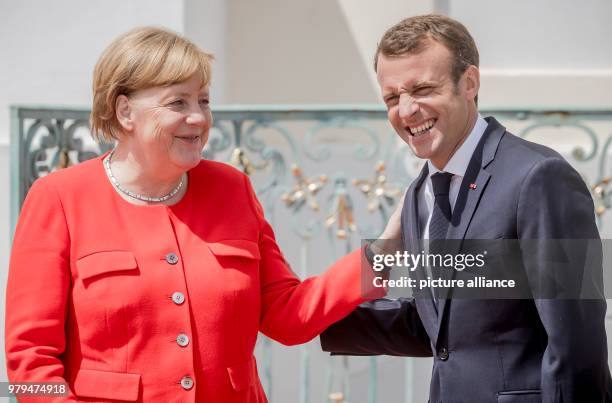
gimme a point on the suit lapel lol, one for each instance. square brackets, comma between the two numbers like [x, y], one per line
[472, 188]
[410, 217]
[412, 243]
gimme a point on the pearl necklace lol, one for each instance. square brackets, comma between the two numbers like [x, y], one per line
[136, 195]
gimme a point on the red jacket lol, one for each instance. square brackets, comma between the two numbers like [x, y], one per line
[129, 302]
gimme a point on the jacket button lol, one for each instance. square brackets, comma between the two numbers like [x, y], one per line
[172, 258]
[178, 298]
[182, 340]
[443, 354]
[187, 382]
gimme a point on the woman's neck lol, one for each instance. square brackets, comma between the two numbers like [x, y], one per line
[135, 175]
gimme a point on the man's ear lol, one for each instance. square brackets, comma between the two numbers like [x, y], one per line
[123, 112]
[472, 82]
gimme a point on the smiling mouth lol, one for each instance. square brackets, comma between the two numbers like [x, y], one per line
[422, 129]
[188, 139]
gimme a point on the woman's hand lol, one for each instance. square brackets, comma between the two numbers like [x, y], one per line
[390, 238]
[394, 225]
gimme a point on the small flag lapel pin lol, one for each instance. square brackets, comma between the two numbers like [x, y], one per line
[472, 186]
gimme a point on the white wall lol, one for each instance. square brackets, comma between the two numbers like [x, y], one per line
[293, 51]
[536, 53]
[49, 49]
[367, 22]
[206, 24]
[542, 35]
[550, 52]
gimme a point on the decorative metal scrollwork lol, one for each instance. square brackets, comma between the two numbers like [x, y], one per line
[322, 152]
[579, 153]
[52, 144]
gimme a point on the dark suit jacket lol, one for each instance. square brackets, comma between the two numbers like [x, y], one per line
[497, 350]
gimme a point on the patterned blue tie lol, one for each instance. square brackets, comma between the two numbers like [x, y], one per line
[440, 220]
[441, 215]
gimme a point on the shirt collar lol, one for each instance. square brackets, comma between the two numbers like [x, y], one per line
[458, 163]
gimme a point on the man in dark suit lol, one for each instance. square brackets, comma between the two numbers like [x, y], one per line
[480, 182]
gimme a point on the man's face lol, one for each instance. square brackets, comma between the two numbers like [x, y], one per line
[426, 108]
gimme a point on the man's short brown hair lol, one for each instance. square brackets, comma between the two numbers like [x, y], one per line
[410, 36]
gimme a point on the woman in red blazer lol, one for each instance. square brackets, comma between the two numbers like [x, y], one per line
[145, 274]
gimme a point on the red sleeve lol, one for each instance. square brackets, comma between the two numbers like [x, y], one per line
[295, 311]
[37, 291]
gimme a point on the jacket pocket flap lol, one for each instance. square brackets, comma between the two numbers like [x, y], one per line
[235, 247]
[104, 262]
[107, 385]
[242, 375]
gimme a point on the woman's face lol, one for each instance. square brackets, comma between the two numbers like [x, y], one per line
[168, 126]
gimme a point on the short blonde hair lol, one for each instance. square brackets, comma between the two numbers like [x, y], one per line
[141, 58]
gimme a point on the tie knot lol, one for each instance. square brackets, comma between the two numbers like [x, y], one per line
[441, 183]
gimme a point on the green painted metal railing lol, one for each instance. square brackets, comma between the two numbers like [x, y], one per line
[318, 173]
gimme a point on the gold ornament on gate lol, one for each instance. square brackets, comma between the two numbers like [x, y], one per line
[378, 189]
[341, 213]
[305, 190]
[63, 160]
[336, 397]
[600, 196]
[240, 160]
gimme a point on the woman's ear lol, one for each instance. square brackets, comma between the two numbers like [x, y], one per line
[123, 111]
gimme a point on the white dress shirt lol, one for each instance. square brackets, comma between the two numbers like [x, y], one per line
[457, 166]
